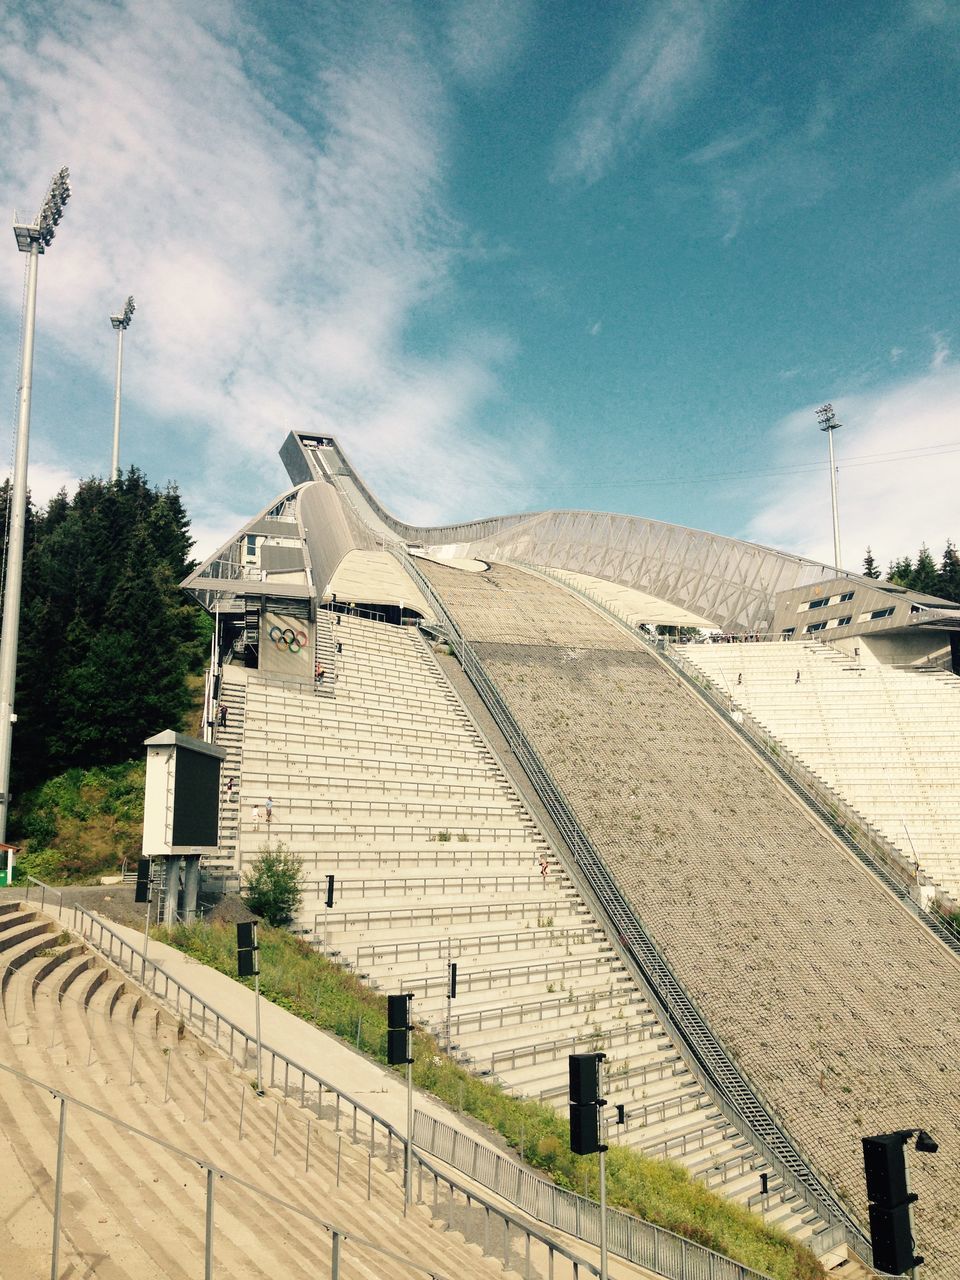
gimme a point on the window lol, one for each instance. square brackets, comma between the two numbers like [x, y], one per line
[845, 622]
[881, 613]
[251, 547]
[788, 631]
[815, 626]
[818, 604]
[847, 595]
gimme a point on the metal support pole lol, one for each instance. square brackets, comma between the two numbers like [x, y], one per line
[256, 988]
[146, 929]
[115, 460]
[18, 516]
[335, 1257]
[833, 500]
[208, 1231]
[58, 1192]
[408, 1169]
[602, 1173]
[603, 1214]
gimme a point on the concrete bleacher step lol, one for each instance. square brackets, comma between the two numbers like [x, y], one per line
[99, 1011]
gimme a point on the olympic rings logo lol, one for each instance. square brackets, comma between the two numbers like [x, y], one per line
[288, 639]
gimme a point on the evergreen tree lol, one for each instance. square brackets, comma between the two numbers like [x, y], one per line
[948, 579]
[925, 577]
[901, 572]
[106, 635]
[870, 569]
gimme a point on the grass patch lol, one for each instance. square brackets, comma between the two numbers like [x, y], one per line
[81, 824]
[323, 993]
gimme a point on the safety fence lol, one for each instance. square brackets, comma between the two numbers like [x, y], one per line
[737, 1099]
[628, 1237]
[522, 1246]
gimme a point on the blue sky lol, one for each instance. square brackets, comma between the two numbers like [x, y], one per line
[514, 255]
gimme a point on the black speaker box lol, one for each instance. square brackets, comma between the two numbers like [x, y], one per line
[584, 1078]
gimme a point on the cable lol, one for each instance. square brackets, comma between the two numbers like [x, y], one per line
[858, 460]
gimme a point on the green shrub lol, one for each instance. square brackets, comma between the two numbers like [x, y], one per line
[273, 887]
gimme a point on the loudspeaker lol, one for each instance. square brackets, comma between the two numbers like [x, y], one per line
[584, 1129]
[398, 1042]
[330, 882]
[885, 1166]
[142, 891]
[398, 1008]
[584, 1079]
[892, 1240]
[246, 935]
[248, 962]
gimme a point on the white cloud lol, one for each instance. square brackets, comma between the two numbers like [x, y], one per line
[891, 502]
[277, 249]
[486, 36]
[665, 59]
[46, 481]
[941, 351]
[595, 328]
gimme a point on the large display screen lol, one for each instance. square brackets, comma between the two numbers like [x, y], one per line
[195, 800]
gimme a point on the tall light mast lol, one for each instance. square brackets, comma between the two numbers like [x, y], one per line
[121, 323]
[829, 424]
[32, 238]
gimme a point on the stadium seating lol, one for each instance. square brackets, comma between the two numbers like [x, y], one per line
[134, 1209]
[887, 739]
[390, 787]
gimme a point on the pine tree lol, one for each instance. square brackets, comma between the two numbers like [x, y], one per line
[870, 569]
[948, 579]
[901, 572]
[925, 576]
[106, 635]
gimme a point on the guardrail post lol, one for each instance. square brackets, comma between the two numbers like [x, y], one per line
[335, 1257]
[58, 1192]
[208, 1231]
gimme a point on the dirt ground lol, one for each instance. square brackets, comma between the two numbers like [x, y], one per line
[115, 902]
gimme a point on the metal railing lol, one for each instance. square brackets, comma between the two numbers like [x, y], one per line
[338, 1235]
[500, 1229]
[628, 1237]
[735, 1096]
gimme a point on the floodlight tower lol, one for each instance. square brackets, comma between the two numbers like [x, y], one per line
[829, 424]
[121, 323]
[32, 238]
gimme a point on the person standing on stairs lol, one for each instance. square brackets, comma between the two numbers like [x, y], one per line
[269, 808]
[222, 718]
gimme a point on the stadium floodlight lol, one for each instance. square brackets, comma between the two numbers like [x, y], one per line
[121, 323]
[32, 238]
[829, 424]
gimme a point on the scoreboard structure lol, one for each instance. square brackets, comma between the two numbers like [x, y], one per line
[181, 814]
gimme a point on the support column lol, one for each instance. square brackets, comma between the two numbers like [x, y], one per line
[191, 887]
[171, 899]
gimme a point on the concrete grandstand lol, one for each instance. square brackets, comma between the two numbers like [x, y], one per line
[530, 783]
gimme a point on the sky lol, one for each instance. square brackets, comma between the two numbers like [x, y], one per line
[514, 255]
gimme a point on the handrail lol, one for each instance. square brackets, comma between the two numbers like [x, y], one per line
[629, 1237]
[220, 1172]
[738, 1099]
[240, 1044]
